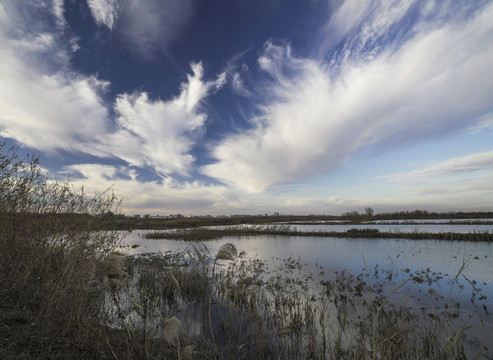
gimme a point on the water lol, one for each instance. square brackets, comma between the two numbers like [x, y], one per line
[334, 254]
[437, 262]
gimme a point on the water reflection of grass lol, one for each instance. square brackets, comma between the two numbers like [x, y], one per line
[202, 234]
[239, 308]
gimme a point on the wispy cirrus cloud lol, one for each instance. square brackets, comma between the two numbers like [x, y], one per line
[455, 166]
[105, 12]
[484, 122]
[317, 114]
[236, 71]
[144, 27]
[471, 193]
[363, 27]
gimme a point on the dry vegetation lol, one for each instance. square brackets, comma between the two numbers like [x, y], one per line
[49, 293]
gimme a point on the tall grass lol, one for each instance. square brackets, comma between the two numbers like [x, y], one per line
[48, 257]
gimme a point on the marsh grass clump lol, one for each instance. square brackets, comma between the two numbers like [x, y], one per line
[212, 233]
[113, 269]
[170, 330]
[114, 265]
[226, 252]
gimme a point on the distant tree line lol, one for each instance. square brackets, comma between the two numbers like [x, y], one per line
[424, 214]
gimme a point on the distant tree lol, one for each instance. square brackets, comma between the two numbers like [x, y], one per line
[369, 211]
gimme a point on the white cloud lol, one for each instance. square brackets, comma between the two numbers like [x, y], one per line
[315, 114]
[96, 172]
[160, 133]
[360, 24]
[461, 194]
[49, 112]
[59, 12]
[455, 166]
[365, 28]
[160, 198]
[191, 198]
[43, 104]
[437, 81]
[237, 83]
[236, 70]
[49, 107]
[484, 122]
[345, 20]
[105, 12]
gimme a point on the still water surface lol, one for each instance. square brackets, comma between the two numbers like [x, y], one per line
[335, 254]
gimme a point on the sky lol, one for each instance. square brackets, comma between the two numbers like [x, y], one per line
[252, 106]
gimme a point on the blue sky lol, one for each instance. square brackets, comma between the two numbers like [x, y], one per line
[251, 107]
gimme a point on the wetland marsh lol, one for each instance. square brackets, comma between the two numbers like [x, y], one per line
[320, 297]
